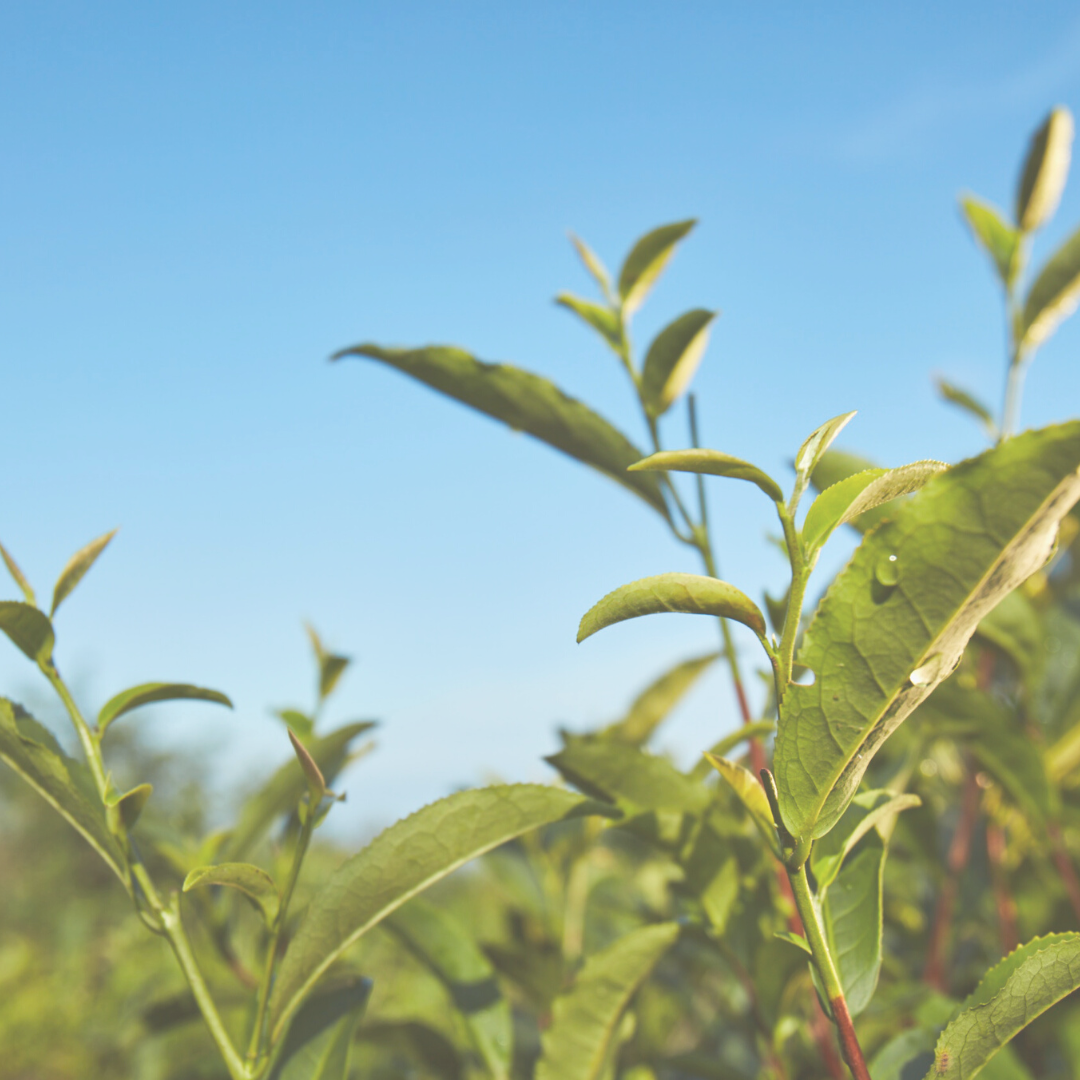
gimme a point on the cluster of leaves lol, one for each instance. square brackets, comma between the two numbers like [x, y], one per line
[829, 911]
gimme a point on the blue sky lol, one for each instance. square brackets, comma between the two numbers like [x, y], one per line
[201, 203]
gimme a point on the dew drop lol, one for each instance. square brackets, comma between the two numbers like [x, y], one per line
[928, 673]
[887, 571]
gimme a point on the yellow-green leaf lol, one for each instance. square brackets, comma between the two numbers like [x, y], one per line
[17, 574]
[149, 693]
[76, 567]
[959, 397]
[1045, 171]
[813, 449]
[751, 794]
[999, 240]
[1052, 297]
[601, 318]
[672, 360]
[646, 262]
[28, 628]
[256, 884]
[711, 463]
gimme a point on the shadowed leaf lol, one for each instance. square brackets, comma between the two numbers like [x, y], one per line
[149, 693]
[969, 404]
[19, 577]
[997, 238]
[256, 884]
[76, 568]
[711, 463]
[320, 1038]
[646, 262]
[1052, 297]
[673, 358]
[28, 628]
[1046, 168]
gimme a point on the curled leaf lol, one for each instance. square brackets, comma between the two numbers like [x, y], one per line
[710, 463]
[149, 693]
[256, 884]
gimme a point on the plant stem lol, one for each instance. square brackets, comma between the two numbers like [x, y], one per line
[86, 737]
[1006, 905]
[823, 961]
[800, 575]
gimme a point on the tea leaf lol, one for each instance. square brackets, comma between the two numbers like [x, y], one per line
[1016, 628]
[592, 264]
[256, 884]
[655, 702]
[1045, 170]
[896, 620]
[646, 262]
[301, 723]
[711, 463]
[149, 693]
[331, 666]
[751, 794]
[527, 403]
[672, 360]
[320, 1039]
[689, 594]
[124, 810]
[28, 628]
[813, 449]
[971, 405]
[602, 319]
[33, 752]
[999, 240]
[399, 863]
[17, 574]
[1020, 988]
[1052, 297]
[447, 948]
[76, 567]
[312, 772]
[585, 1018]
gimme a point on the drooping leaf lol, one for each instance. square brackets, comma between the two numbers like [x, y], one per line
[586, 1018]
[896, 620]
[689, 594]
[76, 567]
[672, 360]
[35, 755]
[448, 950]
[283, 791]
[320, 1038]
[256, 884]
[1052, 297]
[646, 262]
[813, 449]
[403, 861]
[1020, 988]
[969, 404]
[867, 810]
[527, 403]
[149, 693]
[852, 913]
[592, 263]
[1046, 168]
[19, 577]
[751, 794]
[331, 666]
[124, 810]
[652, 706]
[711, 463]
[601, 318]
[28, 628]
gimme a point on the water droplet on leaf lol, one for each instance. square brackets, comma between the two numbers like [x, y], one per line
[887, 571]
[928, 673]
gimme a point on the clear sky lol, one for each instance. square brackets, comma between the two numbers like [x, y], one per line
[200, 202]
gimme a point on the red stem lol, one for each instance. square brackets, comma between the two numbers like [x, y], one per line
[1006, 905]
[848, 1042]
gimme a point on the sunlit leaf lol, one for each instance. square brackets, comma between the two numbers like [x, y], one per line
[997, 238]
[751, 794]
[711, 463]
[256, 884]
[673, 358]
[17, 574]
[300, 722]
[813, 449]
[1052, 297]
[896, 620]
[592, 263]
[149, 693]
[76, 567]
[646, 262]
[28, 628]
[602, 319]
[320, 1039]
[124, 810]
[527, 403]
[969, 404]
[585, 1019]
[1046, 168]
[689, 594]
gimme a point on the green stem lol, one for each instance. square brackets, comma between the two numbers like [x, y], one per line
[800, 574]
[90, 746]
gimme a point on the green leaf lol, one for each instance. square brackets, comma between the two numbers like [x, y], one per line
[256, 884]
[592, 264]
[672, 360]
[300, 722]
[997, 238]
[1015, 626]
[689, 594]
[848, 500]
[448, 950]
[905, 1057]
[1020, 988]
[35, 755]
[867, 810]
[28, 628]
[813, 449]
[711, 463]
[616, 771]
[527, 403]
[652, 706]
[312, 773]
[751, 794]
[602, 319]
[124, 810]
[852, 912]
[401, 862]
[971, 405]
[896, 620]
[286, 787]
[646, 262]
[331, 666]
[794, 939]
[17, 574]
[585, 1019]
[1052, 297]
[76, 567]
[1045, 170]
[320, 1039]
[149, 693]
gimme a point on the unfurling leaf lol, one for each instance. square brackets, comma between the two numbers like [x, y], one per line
[399, 863]
[711, 463]
[689, 594]
[76, 567]
[125, 810]
[28, 628]
[585, 1019]
[592, 263]
[312, 772]
[970, 404]
[320, 1039]
[999, 240]
[17, 574]
[673, 358]
[149, 693]
[812, 450]
[256, 884]
[896, 620]
[646, 262]
[1045, 170]
[525, 402]
[751, 794]
[602, 319]
[331, 666]
[297, 721]
[1052, 297]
